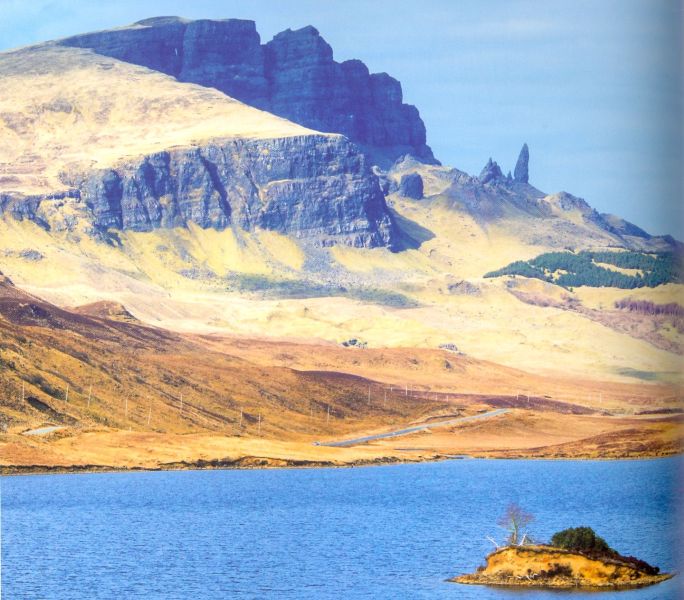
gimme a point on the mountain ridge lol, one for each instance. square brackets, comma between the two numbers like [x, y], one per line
[142, 193]
[292, 76]
[72, 151]
[202, 214]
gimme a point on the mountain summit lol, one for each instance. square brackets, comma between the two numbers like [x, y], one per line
[79, 149]
[211, 183]
[292, 76]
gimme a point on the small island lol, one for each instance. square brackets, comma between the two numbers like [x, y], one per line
[575, 558]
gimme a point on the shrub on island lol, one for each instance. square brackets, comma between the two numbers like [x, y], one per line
[582, 539]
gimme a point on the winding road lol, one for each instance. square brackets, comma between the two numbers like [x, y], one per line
[424, 427]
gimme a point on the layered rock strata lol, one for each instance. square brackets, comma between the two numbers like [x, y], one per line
[312, 187]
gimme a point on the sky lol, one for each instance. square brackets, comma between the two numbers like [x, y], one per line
[593, 86]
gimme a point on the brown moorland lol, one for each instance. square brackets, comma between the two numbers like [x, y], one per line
[123, 395]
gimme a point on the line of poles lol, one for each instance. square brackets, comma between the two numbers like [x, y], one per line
[183, 408]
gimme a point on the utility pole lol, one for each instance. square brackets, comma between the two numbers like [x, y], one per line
[327, 419]
[149, 414]
[240, 418]
[66, 396]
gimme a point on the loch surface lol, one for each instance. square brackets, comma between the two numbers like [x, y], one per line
[375, 532]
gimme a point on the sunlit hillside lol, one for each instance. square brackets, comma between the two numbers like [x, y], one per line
[259, 284]
[60, 116]
[67, 110]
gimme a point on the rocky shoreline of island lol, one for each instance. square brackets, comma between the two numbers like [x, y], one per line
[545, 566]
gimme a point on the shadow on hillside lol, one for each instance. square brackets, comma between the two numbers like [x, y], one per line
[411, 235]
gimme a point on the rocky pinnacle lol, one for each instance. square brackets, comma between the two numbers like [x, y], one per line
[521, 172]
[490, 172]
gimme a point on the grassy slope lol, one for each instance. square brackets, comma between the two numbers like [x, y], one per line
[493, 324]
[134, 417]
[180, 279]
[59, 113]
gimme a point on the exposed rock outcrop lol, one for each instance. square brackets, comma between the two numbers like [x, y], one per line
[411, 186]
[464, 288]
[313, 187]
[227, 55]
[521, 172]
[293, 76]
[558, 220]
[490, 172]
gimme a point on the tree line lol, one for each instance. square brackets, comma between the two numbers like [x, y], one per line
[568, 269]
[646, 307]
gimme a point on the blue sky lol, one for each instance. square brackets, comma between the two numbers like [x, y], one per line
[593, 86]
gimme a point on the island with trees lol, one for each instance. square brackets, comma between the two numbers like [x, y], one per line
[574, 558]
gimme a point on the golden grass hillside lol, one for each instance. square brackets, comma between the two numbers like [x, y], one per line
[59, 114]
[193, 280]
[118, 394]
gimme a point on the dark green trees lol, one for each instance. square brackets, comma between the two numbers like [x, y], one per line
[587, 268]
[582, 539]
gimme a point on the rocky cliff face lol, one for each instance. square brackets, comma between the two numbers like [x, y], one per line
[490, 172]
[317, 188]
[293, 76]
[411, 186]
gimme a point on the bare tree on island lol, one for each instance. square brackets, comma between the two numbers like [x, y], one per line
[515, 520]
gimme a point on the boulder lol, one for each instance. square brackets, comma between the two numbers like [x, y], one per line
[411, 186]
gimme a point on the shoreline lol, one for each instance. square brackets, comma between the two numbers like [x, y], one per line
[255, 463]
[261, 464]
[568, 587]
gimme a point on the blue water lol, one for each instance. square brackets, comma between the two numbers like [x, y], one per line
[379, 532]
